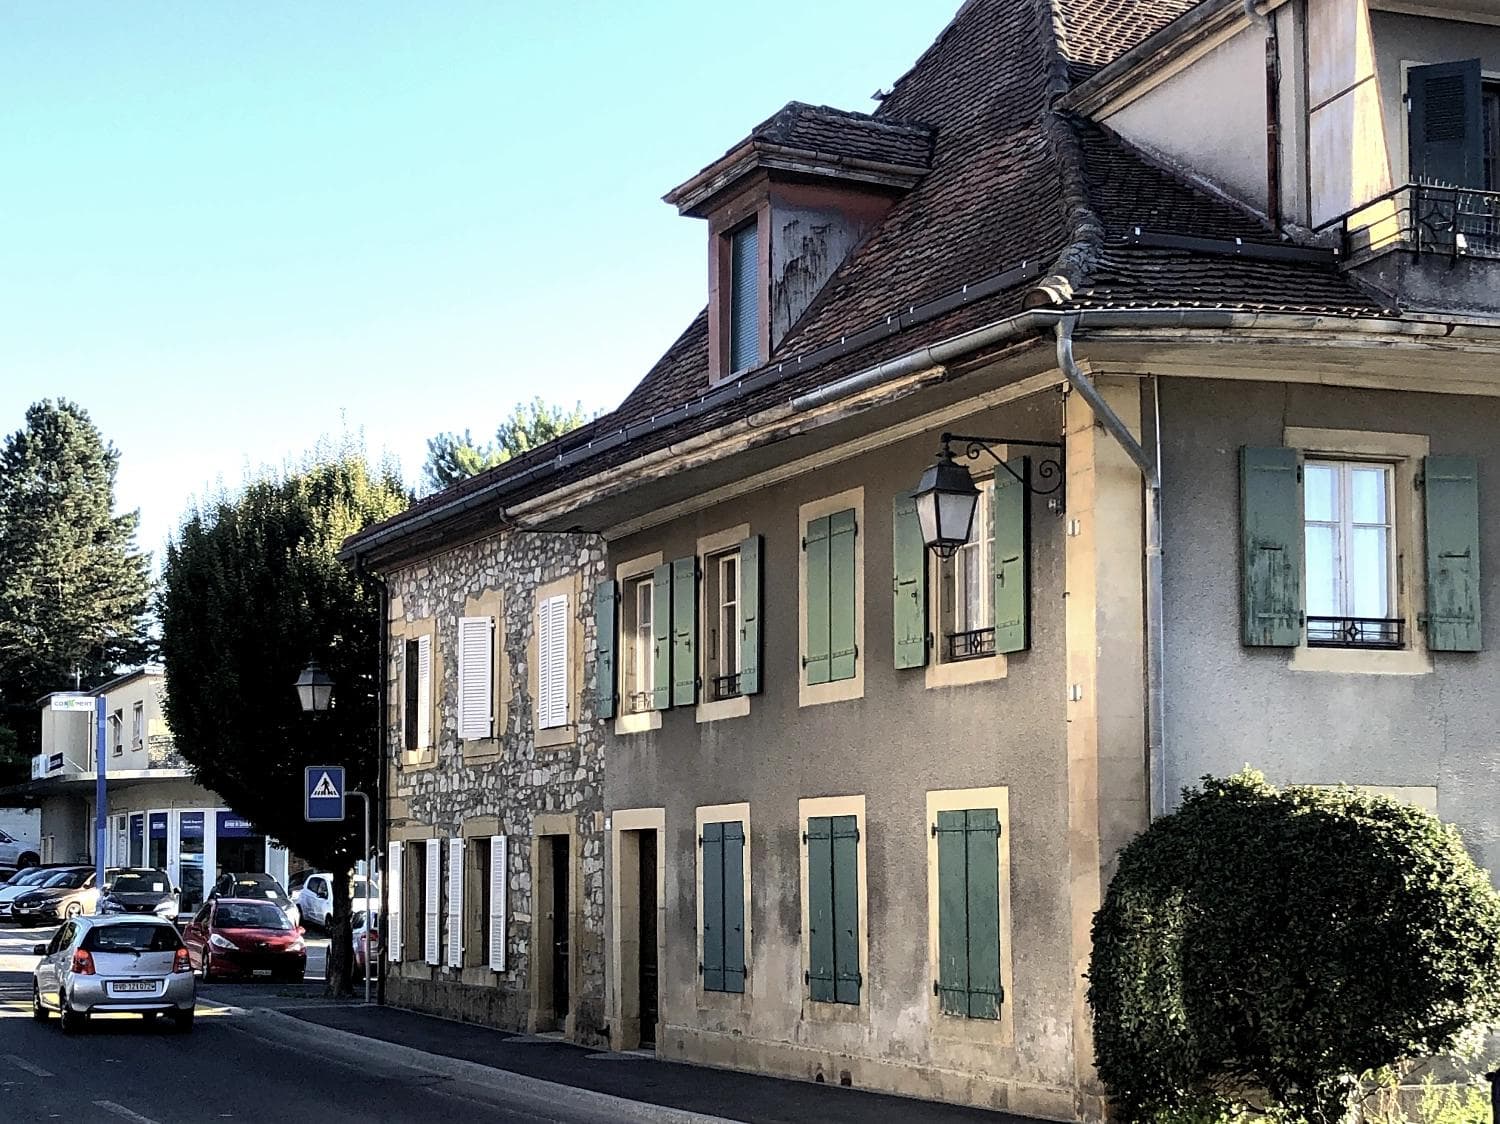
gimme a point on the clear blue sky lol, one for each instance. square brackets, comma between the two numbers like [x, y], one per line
[228, 228]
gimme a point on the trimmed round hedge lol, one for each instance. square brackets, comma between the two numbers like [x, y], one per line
[1269, 945]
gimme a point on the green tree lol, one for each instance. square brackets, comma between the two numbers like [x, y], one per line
[75, 590]
[1257, 949]
[251, 592]
[451, 458]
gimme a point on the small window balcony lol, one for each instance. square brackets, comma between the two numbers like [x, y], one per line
[972, 645]
[1378, 633]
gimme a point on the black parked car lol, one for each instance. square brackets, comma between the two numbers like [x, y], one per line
[257, 887]
[141, 891]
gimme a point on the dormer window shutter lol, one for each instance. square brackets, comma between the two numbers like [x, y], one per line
[744, 297]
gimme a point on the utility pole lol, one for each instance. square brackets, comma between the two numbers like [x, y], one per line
[100, 819]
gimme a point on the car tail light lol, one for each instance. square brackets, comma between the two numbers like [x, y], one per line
[83, 962]
[182, 962]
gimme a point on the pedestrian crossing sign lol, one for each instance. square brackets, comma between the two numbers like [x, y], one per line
[323, 794]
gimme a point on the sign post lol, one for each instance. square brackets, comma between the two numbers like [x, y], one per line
[100, 818]
[323, 802]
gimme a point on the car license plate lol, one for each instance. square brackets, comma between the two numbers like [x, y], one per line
[133, 985]
[261, 972]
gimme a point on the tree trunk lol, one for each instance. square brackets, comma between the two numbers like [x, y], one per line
[340, 938]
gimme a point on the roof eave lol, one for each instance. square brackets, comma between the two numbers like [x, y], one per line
[698, 196]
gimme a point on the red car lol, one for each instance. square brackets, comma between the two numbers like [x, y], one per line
[240, 937]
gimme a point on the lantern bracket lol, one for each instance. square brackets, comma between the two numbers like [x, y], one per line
[1047, 468]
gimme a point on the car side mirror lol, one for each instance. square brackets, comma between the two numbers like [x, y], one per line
[39, 950]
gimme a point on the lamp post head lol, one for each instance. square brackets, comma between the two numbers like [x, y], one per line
[946, 498]
[314, 687]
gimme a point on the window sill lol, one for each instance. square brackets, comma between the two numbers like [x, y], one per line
[840, 690]
[418, 759]
[717, 711]
[818, 1011]
[555, 736]
[641, 722]
[723, 1000]
[1362, 661]
[962, 673]
[482, 749]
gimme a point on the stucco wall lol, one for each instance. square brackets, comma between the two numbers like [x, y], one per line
[897, 742]
[1228, 705]
[508, 780]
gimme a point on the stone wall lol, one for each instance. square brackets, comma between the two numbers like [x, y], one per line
[503, 784]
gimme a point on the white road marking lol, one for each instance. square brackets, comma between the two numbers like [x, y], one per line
[22, 1063]
[123, 1112]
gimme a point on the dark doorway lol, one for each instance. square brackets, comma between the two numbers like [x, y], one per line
[561, 868]
[647, 922]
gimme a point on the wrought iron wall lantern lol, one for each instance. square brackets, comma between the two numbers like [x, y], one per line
[946, 496]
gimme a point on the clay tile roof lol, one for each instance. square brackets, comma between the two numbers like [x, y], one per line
[838, 132]
[1091, 33]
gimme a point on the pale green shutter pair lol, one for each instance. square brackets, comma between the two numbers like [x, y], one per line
[1271, 550]
[833, 974]
[723, 964]
[1009, 570]
[968, 982]
[830, 653]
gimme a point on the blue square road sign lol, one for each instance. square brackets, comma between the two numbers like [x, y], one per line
[323, 793]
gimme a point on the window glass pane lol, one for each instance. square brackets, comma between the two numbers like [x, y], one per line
[1320, 492]
[1369, 581]
[1322, 572]
[1368, 488]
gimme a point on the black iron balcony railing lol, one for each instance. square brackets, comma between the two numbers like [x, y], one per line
[1423, 219]
[971, 645]
[1356, 632]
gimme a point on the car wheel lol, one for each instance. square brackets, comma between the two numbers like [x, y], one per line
[38, 1012]
[27, 861]
[182, 1021]
[72, 1021]
[73, 910]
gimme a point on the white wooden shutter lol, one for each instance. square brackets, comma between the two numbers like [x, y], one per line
[476, 677]
[393, 886]
[498, 884]
[552, 663]
[434, 890]
[424, 692]
[455, 903]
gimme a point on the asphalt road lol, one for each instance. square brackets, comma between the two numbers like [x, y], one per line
[230, 1067]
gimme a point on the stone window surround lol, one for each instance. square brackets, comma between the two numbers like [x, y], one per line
[402, 630]
[477, 968]
[950, 673]
[412, 837]
[807, 809]
[490, 603]
[641, 721]
[980, 1032]
[552, 737]
[623, 1005]
[841, 690]
[1405, 451]
[709, 710]
[544, 826]
[726, 813]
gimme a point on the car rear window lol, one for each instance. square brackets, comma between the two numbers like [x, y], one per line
[250, 915]
[143, 937]
[146, 883]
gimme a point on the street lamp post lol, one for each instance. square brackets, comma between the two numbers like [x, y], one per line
[315, 693]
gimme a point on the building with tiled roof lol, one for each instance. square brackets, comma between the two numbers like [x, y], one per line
[800, 778]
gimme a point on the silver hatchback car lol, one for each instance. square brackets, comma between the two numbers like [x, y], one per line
[98, 965]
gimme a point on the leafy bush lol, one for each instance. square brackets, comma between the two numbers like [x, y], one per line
[1258, 947]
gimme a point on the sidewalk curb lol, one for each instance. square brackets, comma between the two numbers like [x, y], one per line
[518, 1087]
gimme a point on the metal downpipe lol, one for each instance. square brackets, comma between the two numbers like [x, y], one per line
[1150, 467]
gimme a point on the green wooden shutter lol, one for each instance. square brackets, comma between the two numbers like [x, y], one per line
[815, 544]
[713, 907]
[842, 653]
[684, 632]
[1010, 560]
[908, 584]
[1447, 123]
[953, 924]
[1270, 547]
[1451, 494]
[661, 637]
[983, 861]
[606, 595]
[734, 906]
[820, 917]
[750, 616]
[846, 975]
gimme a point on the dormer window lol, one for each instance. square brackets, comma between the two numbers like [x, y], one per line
[744, 297]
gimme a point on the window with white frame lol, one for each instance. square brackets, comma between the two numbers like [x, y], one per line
[638, 679]
[725, 621]
[138, 725]
[116, 732]
[966, 587]
[1350, 554]
[553, 625]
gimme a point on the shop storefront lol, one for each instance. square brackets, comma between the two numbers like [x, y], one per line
[194, 845]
